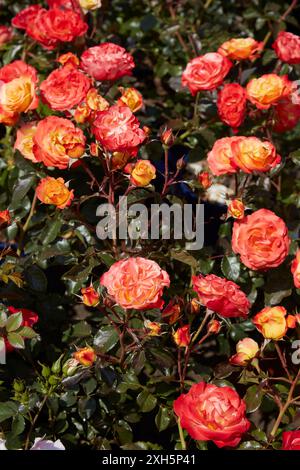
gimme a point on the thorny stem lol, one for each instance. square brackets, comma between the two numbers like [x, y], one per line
[283, 361]
[34, 422]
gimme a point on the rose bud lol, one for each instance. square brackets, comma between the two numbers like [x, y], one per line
[90, 296]
[291, 440]
[167, 136]
[69, 58]
[153, 327]
[70, 366]
[182, 336]
[85, 356]
[213, 327]
[236, 209]
[246, 350]
[193, 307]
[6, 34]
[172, 311]
[5, 218]
[271, 322]
[131, 98]
[204, 179]
[142, 173]
[147, 131]
[54, 191]
[291, 321]
[94, 149]
[180, 164]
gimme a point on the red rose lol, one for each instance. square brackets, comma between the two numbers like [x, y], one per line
[64, 4]
[291, 440]
[261, 239]
[286, 115]
[24, 17]
[211, 413]
[29, 319]
[107, 61]
[222, 296]
[6, 34]
[61, 97]
[117, 129]
[287, 47]
[232, 104]
[206, 72]
[49, 27]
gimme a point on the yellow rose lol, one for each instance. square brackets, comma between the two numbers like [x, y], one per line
[271, 322]
[143, 172]
[90, 4]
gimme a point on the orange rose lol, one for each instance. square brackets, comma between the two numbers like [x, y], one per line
[252, 154]
[17, 90]
[182, 336]
[86, 356]
[24, 140]
[220, 295]
[241, 48]
[246, 350]
[204, 179]
[136, 283]
[90, 296]
[60, 97]
[205, 72]
[87, 111]
[56, 141]
[295, 268]
[236, 209]
[287, 47]
[220, 158]
[271, 322]
[117, 129]
[142, 173]
[268, 89]
[131, 98]
[232, 104]
[54, 191]
[213, 327]
[5, 218]
[212, 413]
[69, 58]
[261, 239]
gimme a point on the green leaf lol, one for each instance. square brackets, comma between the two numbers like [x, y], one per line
[7, 410]
[250, 445]
[253, 398]
[36, 279]
[20, 190]
[16, 340]
[51, 232]
[14, 321]
[18, 425]
[231, 267]
[146, 401]
[163, 418]
[184, 257]
[106, 338]
[27, 332]
[3, 319]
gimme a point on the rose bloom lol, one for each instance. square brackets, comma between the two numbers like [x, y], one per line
[268, 89]
[261, 239]
[29, 319]
[85, 356]
[295, 269]
[271, 322]
[241, 48]
[90, 296]
[220, 295]
[232, 104]
[204, 179]
[87, 111]
[142, 173]
[24, 17]
[90, 5]
[17, 90]
[56, 141]
[24, 140]
[50, 27]
[60, 97]
[205, 72]
[117, 129]
[136, 283]
[287, 47]
[107, 61]
[212, 413]
[252, 154]
[132, 98]
[236, 209]
[286, 115]
[54, 191]
[5, 34]
[246, 350]
[182, 336]
[5, 218]
[220, 158]
[290, 440]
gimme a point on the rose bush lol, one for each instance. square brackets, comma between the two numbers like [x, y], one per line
[136, 343]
